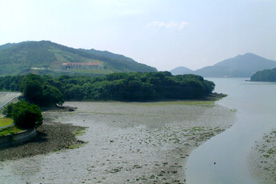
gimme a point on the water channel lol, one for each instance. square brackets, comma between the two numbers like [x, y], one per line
[224, 158]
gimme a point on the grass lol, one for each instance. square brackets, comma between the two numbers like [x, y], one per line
[5, 121]
[79, 132]
[10, 130]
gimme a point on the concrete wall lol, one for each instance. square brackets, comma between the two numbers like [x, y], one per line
[17, 139]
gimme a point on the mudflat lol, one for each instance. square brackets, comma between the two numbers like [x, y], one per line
[262, 159]
[49, 138]
[125, 143]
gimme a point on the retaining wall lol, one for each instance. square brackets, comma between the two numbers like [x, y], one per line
[17, 139]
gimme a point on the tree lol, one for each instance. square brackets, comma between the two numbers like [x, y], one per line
[38, 90]
[33, 91]
[8, 110]
[24, 114]
[51, 96]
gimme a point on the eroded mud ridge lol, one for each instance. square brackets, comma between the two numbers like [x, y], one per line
[126, 143]
[263, 159]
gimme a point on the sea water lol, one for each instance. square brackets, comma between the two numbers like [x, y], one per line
[224, 158]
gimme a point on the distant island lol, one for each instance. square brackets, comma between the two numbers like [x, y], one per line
[45, 57]
[265, 75]
[240, 66]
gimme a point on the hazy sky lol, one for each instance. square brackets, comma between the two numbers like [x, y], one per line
[160, 33]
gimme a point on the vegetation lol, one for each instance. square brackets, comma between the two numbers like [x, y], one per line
[39, 91]
[48, 57]
[152, 86]
[10, 130]
[24, 114]
[265, 75]
[5, 121]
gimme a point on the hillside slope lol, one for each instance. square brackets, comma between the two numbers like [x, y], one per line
[45, 56]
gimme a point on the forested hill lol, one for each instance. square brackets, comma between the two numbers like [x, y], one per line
[45, 57]
[265, 75]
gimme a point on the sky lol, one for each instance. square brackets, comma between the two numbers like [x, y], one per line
[161, 33]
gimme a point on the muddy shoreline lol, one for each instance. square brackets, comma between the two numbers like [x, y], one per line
[50, 138]
[125, 143]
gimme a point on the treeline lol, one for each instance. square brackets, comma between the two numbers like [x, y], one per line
[265, 75]
[153, 86]
[36, 89]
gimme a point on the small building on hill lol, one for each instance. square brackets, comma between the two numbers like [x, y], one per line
[82, 66]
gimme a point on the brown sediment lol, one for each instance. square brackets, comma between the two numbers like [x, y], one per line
[49, 138]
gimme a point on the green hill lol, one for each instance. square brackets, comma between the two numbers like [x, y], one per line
[265, 75]
[45, 57]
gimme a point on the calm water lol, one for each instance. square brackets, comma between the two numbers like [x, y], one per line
[224, 158]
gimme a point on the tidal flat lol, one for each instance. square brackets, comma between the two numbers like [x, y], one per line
[126, 143]
[263, 159]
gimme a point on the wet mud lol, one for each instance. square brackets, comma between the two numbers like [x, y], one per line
[126, 143]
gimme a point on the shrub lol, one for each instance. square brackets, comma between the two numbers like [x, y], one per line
[24, 114]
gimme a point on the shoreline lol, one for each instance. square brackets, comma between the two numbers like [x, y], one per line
[50, 138]
[155, 140]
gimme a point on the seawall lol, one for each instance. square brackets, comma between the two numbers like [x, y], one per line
[17, 139]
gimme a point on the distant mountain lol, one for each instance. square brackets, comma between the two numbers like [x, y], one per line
[48, 57]
[181, 70]
[240, 66]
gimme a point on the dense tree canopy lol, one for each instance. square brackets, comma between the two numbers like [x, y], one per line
[265, 75]
[38, 90]
[152, 86]
[24, 114]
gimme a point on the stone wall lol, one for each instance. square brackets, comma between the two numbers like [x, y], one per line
[17, 139]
